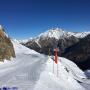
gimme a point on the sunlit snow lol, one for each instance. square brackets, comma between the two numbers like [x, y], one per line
[33, 71]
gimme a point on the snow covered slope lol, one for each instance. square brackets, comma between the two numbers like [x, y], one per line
[79, 34]
[59, 33]
[56, 33]
[33, 71]
[49, 80]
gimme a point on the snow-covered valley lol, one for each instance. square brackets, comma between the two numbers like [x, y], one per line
[33, 71]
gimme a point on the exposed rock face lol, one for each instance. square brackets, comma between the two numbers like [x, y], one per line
[43, 44]
[80, 53]
[33, 45]
[52, 38]
[74, 46]
[6, 46]
[67, 42]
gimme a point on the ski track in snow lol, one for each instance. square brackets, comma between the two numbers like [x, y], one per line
[33, 71]
[23, 73]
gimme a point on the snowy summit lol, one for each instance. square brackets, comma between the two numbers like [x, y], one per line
[59, 33]
[56, 33]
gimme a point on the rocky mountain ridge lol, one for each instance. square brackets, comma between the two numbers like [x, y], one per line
[80, 53]
[6, 46]
[52, 38]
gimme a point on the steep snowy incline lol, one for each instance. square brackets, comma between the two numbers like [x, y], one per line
[33, 71]
[65, 81]
[24, 71]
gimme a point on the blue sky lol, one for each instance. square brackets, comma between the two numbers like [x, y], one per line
[28, 18]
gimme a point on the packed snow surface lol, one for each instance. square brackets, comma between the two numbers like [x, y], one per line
[33, 71]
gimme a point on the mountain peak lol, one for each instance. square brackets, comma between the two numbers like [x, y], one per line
[59, 33]
[54, 32]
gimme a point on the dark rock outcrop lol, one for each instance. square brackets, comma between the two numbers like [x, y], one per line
[67, 42]
[6, 46]
[52, 38]
[80, 53]
[74, 46]
[43, 44]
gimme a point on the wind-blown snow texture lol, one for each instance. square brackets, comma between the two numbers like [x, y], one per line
[33, 71]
